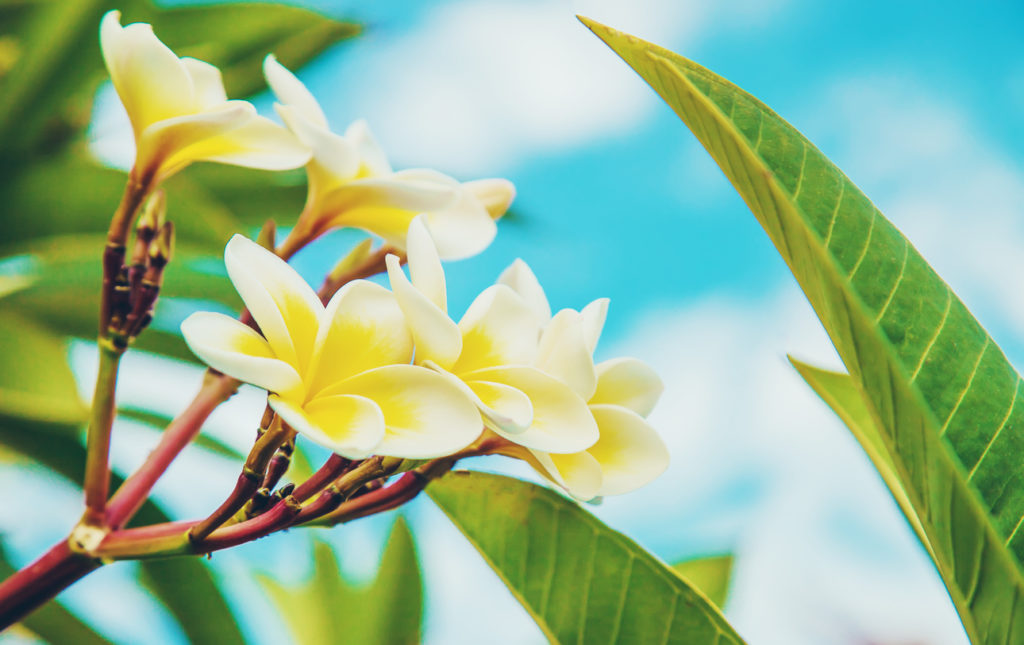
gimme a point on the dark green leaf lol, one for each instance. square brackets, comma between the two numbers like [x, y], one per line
[938, 388]
[580, 580]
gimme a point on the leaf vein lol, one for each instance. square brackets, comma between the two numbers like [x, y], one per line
[935, 336]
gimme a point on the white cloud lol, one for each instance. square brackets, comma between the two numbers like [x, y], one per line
[477, 86]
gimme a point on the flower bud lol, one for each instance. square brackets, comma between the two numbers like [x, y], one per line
[162, 248]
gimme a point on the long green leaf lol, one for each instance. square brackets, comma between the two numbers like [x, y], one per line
[385, 612]
[937, 386]
[841, 393]
[580, 580]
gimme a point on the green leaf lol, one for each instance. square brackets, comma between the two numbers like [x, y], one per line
[388, 610]
[844, 396]
[938, 388]
[710, 575]
[52, 622]
[237, 36]
[63, 298]
[35, 380]
[189, 591]
[580, 580]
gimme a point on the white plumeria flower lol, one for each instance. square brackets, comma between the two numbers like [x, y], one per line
[489, 354]
[621, 393]
[180, 113]
[352, 184]
[339, 375]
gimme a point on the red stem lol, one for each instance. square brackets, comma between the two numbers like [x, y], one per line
[331, 470]
[40, 581]
[134, 491]
[278, 517]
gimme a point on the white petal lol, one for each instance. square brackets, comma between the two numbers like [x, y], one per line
[282, 304]
[630, 451]
[594, 315]
[370, 153]
[502, 406]
[436, 336]
[425, 270]
[334, 161]
[290, 91]
[578, 473]
[628, 382]
[162, 147]
[425, 415]
[362, 328]
[207, 81]
[237, 350]
[258, 143]
[563, 353]
[562, 422]
[521, 279]
[384, 206]
[499, 328]
[351, 426]
[496, 195]
[150, 79]
[461, 229]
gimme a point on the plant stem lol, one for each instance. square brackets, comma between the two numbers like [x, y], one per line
[40, 581]
[135, 192]
[216, 389]
[248, 481]
[101, 421]
[334, 467]
[408, 486]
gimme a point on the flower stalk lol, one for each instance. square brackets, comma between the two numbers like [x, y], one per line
[97, 468]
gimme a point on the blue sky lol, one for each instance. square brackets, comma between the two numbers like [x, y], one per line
[921, 103]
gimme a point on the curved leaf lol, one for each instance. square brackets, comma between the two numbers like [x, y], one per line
[936, 385]
[580, 580]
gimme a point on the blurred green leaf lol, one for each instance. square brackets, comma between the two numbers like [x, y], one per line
[189, 591]
[237, 36]
[710, 575]
[580, 580]
[35, 380]
[52, 622]
[63, 298]
[327, 609]
[939, 390]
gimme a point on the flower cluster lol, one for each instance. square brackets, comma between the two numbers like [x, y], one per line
[378, 371]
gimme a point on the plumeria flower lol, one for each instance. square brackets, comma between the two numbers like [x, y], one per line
[489, 354]
[352, 184]
[338, 375]
[180, 113]
[621, 393]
